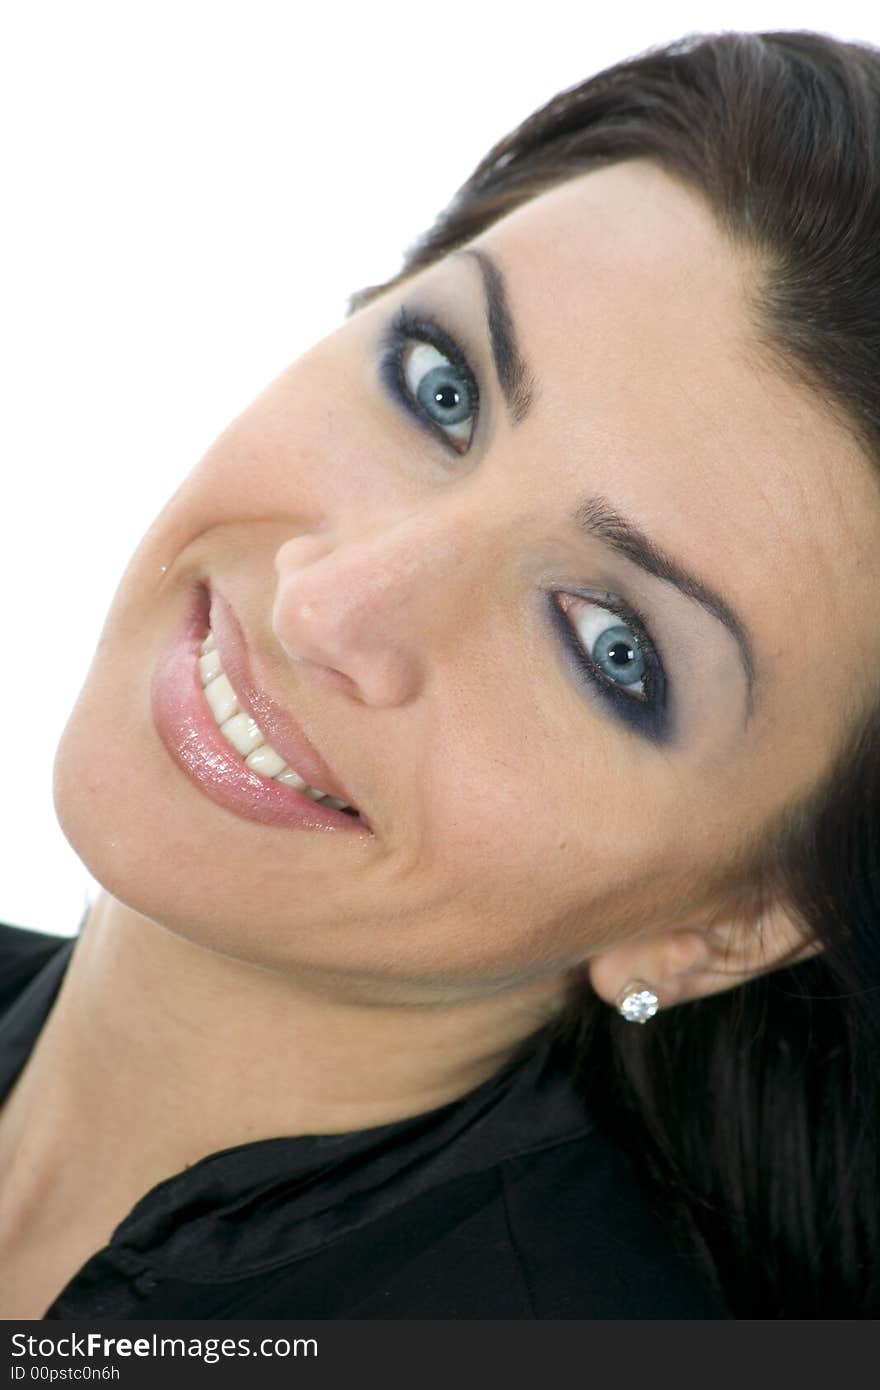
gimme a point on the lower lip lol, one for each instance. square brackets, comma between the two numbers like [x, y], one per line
[187, 728]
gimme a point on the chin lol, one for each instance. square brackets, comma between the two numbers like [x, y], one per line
[120, 810]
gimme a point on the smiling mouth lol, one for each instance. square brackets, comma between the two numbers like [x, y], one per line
[245, 735]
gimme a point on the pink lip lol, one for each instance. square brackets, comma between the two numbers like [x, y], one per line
[187, 728]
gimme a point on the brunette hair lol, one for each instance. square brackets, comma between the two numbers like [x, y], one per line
[752, 1116]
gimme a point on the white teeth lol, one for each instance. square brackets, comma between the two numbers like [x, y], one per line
[209, 666]
[291, 779]
[221, 698]
[264, 759]
[245, 735]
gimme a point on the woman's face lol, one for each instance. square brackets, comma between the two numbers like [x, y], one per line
[557, 739]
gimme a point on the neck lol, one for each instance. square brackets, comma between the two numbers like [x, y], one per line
[160, 1051]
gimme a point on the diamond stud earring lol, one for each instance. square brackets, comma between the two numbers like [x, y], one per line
[637, 1002]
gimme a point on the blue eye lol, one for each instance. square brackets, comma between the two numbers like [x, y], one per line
[613, 646]
[426, 371]
[613, 650]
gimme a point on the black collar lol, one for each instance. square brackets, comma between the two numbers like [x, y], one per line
[238, 1210]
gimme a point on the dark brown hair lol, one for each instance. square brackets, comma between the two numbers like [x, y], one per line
[753, 1115]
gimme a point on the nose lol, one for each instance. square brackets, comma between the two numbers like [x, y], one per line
[360, 608]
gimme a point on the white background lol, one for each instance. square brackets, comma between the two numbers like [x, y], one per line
[189, 192]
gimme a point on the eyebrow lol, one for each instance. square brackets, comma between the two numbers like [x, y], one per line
[515, 378]
[596, 516]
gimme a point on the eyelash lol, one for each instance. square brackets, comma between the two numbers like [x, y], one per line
[647, 714]
[405, 329]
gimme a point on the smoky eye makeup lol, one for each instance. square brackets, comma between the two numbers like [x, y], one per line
[608, 648]
[606, 643]
[426, 372]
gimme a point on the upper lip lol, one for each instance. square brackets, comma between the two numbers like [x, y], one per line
[276, 722]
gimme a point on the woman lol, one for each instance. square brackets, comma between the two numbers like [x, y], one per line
[480, 760]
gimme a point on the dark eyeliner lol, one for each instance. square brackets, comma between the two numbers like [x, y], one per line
[407, 327]
[649, 716]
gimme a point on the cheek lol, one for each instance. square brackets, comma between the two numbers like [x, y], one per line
[555, 829]
[547, 845]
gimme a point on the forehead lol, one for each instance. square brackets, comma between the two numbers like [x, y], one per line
[632, 217]
[634, 312]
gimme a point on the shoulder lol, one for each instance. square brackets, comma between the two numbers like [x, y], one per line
[23, 953]
[555, 1223]
[588, 1242]
[561, 1231]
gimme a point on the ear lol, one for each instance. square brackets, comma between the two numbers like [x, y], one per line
[694, 960]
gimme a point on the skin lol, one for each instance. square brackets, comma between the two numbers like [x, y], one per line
[238, 981]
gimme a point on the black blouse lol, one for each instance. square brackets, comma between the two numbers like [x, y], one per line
[506, 1203]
